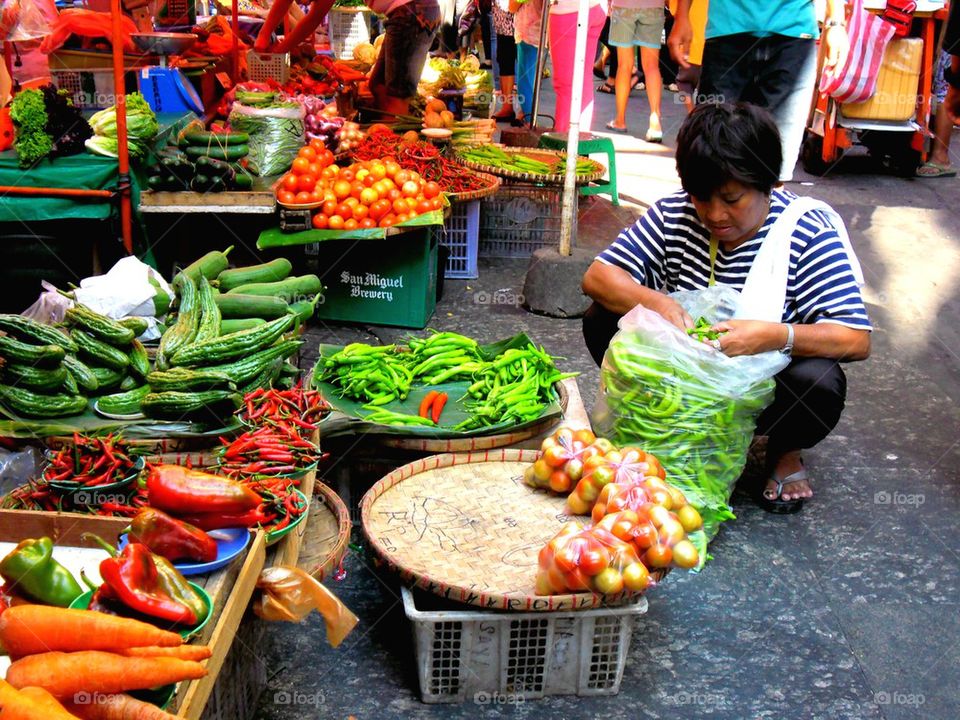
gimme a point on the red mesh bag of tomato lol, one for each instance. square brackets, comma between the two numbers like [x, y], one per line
[655, 533]
[626, 466]
[590, 560]
[565, 457]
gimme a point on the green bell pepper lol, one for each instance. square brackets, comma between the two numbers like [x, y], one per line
[30, 569]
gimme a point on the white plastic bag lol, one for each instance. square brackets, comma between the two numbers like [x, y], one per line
[276, 135]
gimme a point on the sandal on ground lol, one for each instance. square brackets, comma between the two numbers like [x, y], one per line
[777, 505]
[616, 128]
[931, 169]
[606, 88]
[654, 136]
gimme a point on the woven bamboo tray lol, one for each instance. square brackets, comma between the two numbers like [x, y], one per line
[467, 528]
[477, 194]
[546, 156]
[485, 442]
[326, 535]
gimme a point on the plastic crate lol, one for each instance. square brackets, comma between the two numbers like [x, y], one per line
[519, 219]
[502, 657]
[460, 234]
[268, 66]
[92, 89]
[347, 28]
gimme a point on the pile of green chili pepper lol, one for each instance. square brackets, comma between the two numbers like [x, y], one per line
[444, 356]
[376, 374]
[672, 407]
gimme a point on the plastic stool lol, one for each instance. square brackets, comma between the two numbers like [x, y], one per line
[590, 144]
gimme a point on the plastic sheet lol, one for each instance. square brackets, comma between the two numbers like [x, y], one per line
[690, 405]
[276, 135]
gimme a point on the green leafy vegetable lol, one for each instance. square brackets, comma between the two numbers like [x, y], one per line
[29, 115]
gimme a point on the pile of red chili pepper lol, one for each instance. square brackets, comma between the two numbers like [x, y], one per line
[424, 158]
[295, 410]
[269, 450]
[91, 462]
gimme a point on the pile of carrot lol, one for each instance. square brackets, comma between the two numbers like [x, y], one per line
[61, 654]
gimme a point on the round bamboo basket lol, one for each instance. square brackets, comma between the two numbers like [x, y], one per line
[327, 533]
[466, 527]
[547, 156]
[482, 442]
[494, 185]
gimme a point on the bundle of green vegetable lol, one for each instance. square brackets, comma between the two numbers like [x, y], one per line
[492, 156]
[47, 123]
[142, 128]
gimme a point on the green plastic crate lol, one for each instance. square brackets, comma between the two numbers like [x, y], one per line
[391, 281]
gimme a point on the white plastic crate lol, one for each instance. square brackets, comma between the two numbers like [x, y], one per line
[489, 657]
[460, 233]
[347, 28]
[268, 66]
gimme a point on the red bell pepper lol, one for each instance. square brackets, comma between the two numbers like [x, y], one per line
[172, 538]
[133, 578]
[184, 491]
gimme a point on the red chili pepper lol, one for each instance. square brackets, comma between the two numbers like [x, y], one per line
[438, 404]
[427, 403]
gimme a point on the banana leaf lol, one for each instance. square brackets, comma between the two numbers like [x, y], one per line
[349, 415]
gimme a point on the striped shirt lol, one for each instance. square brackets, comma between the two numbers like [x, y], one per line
[668, 249]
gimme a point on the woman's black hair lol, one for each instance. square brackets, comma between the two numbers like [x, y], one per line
[720, 142]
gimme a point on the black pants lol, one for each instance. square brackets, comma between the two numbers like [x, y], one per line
[807, 404]
[746, 68]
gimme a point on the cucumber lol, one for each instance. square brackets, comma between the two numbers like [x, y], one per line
[305, 309]
[293, 288]
[31, 404]
[161, 298]
[98, 351]
[237, 305]
[47, 356]
[107, 378]
[99, 326]
[242, 181]
[35, 333]
[186, 380]
[216, 139]
[34, 378]
[205, 405]
[124, 403]
[231, 152]
[84, 376]
[273, 271]
[139, 325]
[234, 345]
[238, 324]
[209, 325]
[188, 321]
[139, 360]
[210, 265]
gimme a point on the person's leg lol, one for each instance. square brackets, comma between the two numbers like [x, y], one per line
[807, 405]
[563, 40]
[687, 80]
[409, 32]
[600, 66]
[486, 24]
[622, 85]
[650, 60]
[507, 62]
[526, 75]
[939, 160]
[595, 25]
[669, 69]
[787, 75]
[727, 72]
[599, 327]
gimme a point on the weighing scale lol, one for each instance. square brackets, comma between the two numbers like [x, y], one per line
[164, 88]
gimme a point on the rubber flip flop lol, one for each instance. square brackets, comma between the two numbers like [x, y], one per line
[935, 170]
[614, 128]
[777, 505]
[654, 136]
[605, 88]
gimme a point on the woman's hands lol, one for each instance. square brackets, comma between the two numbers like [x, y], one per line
[670, 310]
[749, 337]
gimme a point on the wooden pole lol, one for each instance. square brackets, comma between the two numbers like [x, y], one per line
[123, 156]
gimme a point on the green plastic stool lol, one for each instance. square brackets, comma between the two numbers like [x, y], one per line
[587, 145]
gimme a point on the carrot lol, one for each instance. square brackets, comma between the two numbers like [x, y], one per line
[184, 652]
[65, 674]
[29, 629]
[30, 703]
[119, 707]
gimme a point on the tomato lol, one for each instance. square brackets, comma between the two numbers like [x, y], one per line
[568, 557]
[350, 224]
[388, 220]
[389, 184]
[336, 222]
[378, 170]
[542, 584]
[300, 165]
[360, 212]
[615, 457]
[344, 210]
[351, 202]
[689, 518]
[585, 436]
[609, 581]
[368, 222]
[412, 214]
[401, 176]
[391, 166]
[320, 221]
[602, 476]
[577, 580]
[341, 188]
[361, 174]
[369, 180]
[329, 172]
[658, 556]
[678, 498]
[306, 182]
[315, 169]
[560, 482]
[410, 189]
[431, 189]
[564, 436]
[290, 182]
[577, 505]
[316, 196]
[307, 152]
[557, 580]
[662, 498]
[399, 206]
[636, 577]
[424, 206]
[574, 468]
[588, 491]
[603, 445]
[644, 535]
[356, 189]
[318, 145]
[347, 174]
[303, 198]
[594, 560]
[671, 532]
[402, 218]
[286, 197]
[379, 209]
[659, 515]
[548, 442]
[329, 207]
[369, 196]
[556, 456]
[685, 555]
[393, 194]
[437, 202]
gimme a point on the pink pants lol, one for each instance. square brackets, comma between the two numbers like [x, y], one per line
[563, 42]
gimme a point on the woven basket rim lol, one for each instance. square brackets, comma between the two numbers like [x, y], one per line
[335, 505]
[553, 179]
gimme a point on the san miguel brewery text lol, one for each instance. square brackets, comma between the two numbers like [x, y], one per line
[359, 284]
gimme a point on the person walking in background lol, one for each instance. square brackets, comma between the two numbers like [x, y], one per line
[938, 165]
[563, 41]
[527, 22]
[764, 52]
[688, 78]
[637, 23]
[506, 58]
[951, 74]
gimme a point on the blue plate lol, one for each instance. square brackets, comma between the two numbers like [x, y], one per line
[231, 542]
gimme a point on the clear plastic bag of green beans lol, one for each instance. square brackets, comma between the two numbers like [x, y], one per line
[690, 405]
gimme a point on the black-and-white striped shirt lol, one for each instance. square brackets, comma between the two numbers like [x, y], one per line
[668, 249]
